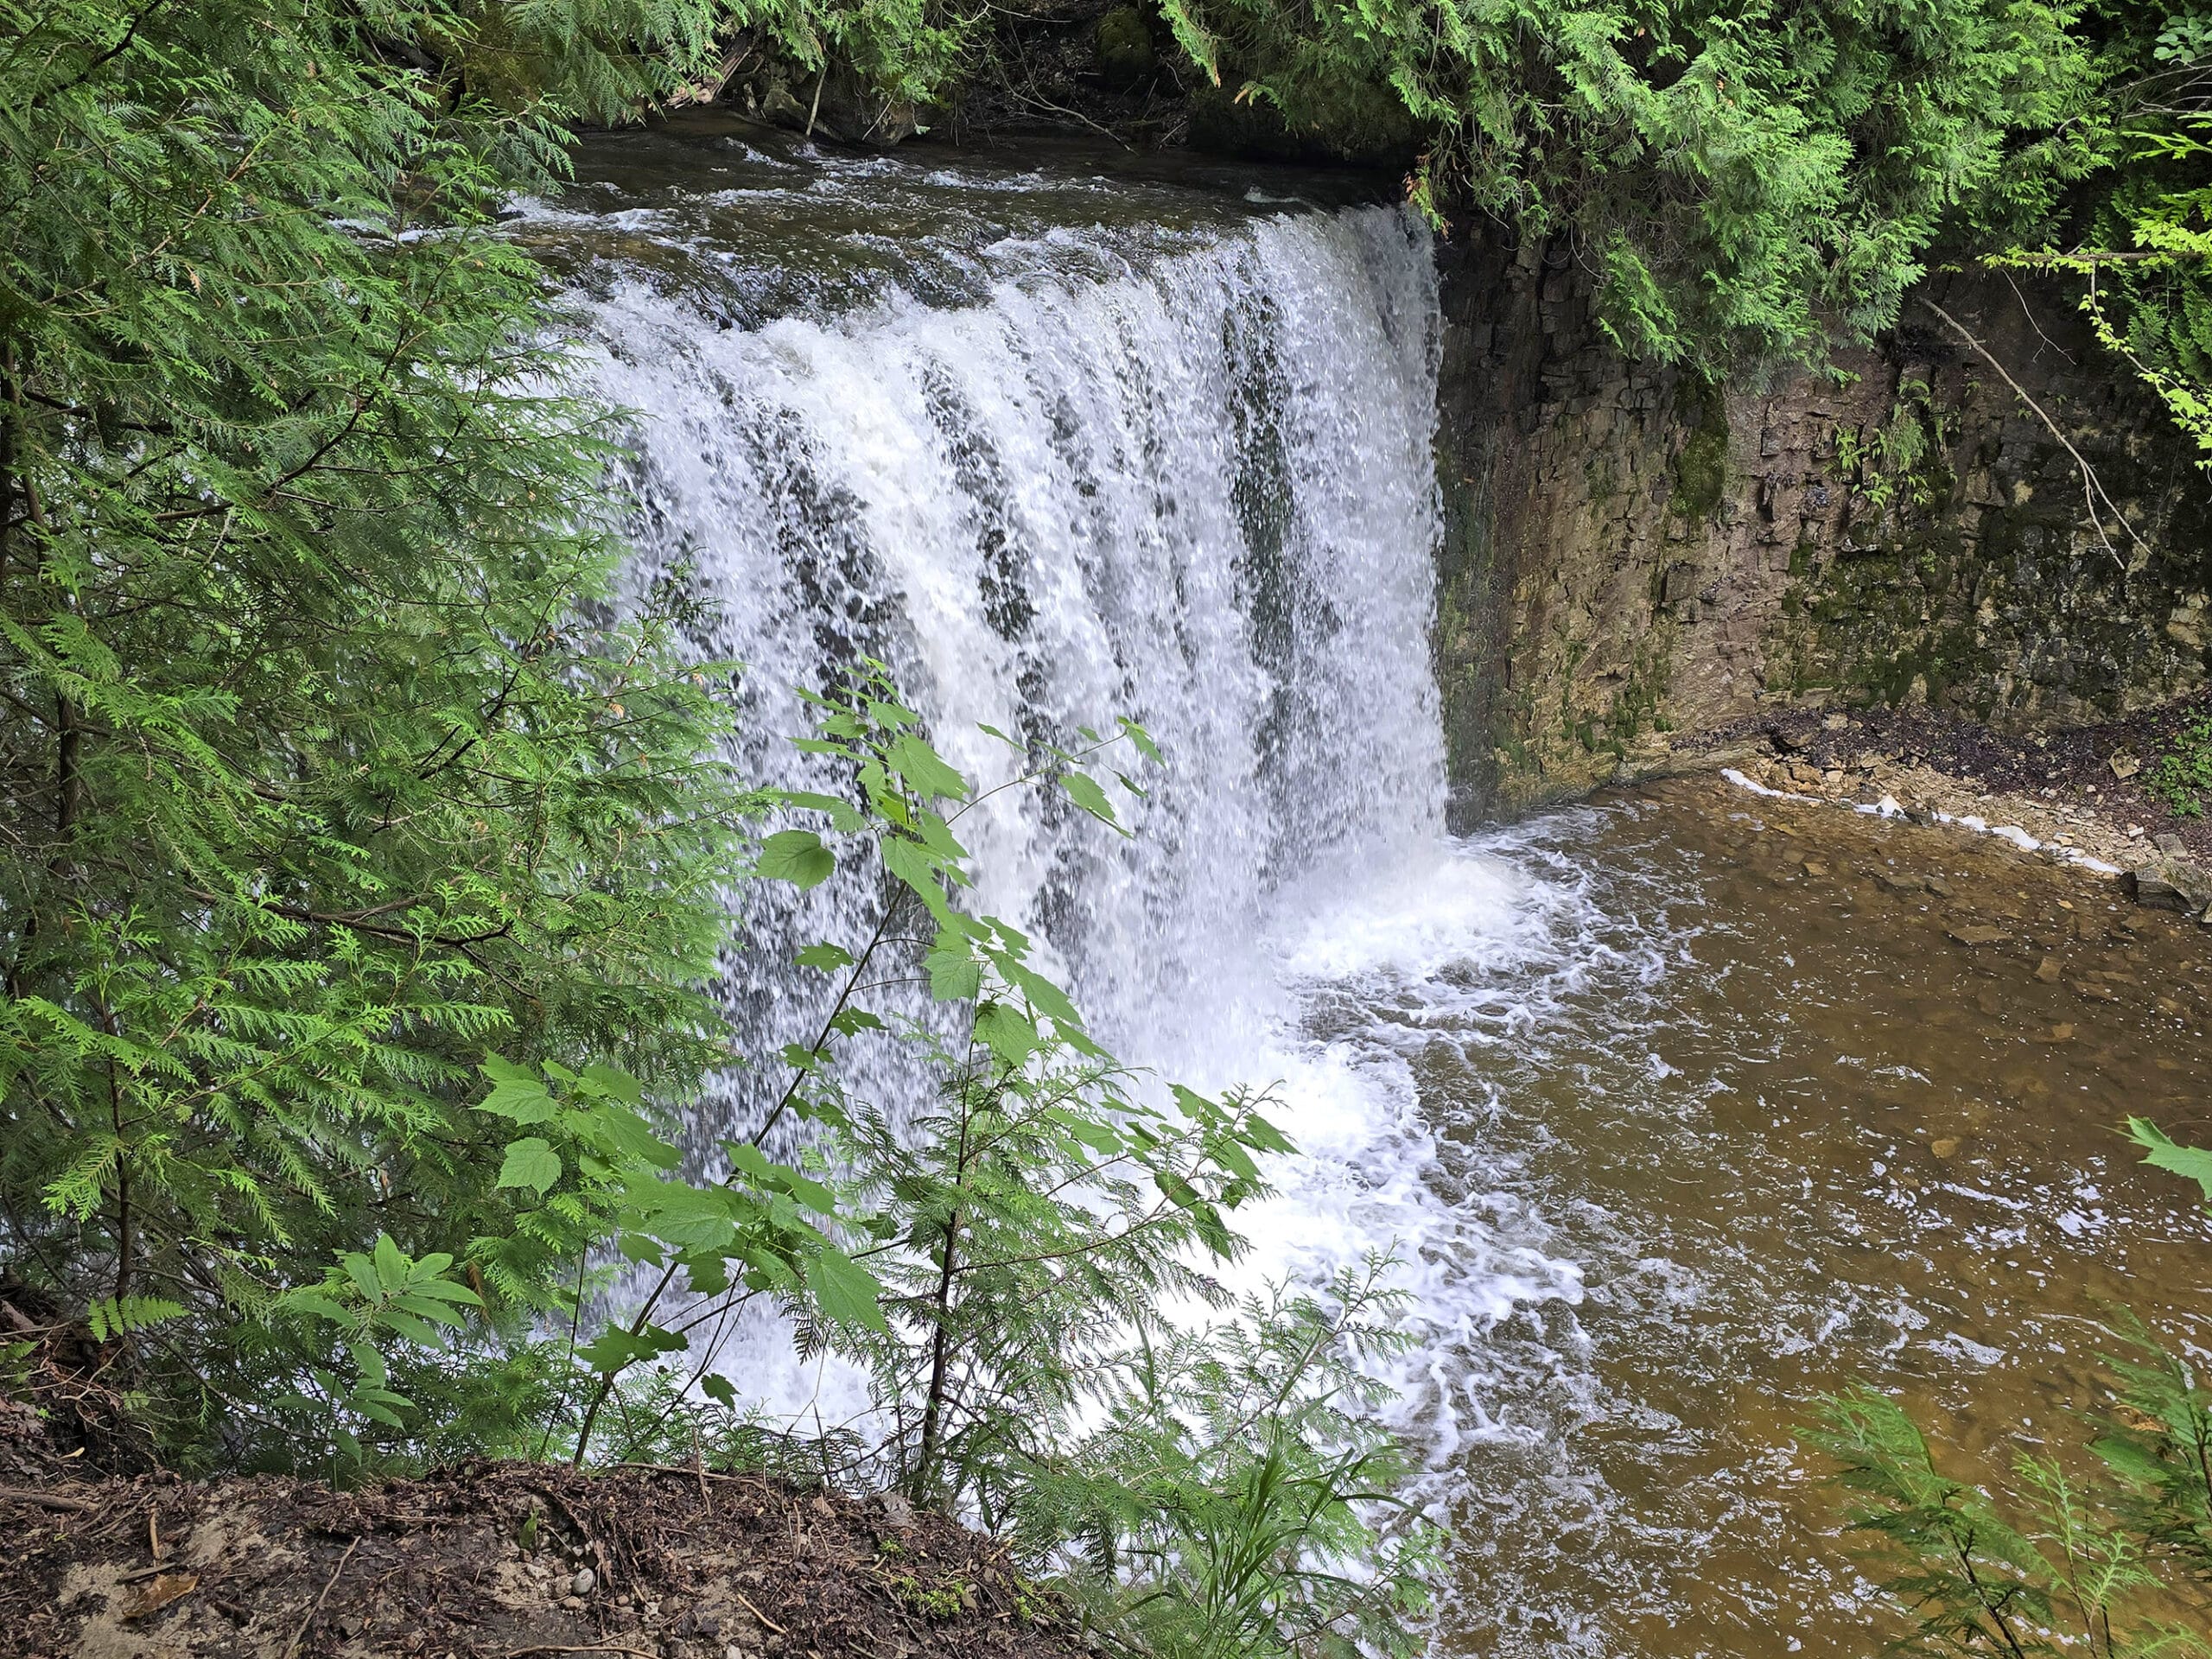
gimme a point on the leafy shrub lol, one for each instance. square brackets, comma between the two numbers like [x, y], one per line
[1238, 1496]
[326, 774]
[2181, 777]
[1023, 1239]
[1743, 181]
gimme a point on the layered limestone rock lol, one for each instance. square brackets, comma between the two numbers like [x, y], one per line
[1632, 556]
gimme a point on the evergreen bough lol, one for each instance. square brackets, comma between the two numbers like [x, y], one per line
[325, 770]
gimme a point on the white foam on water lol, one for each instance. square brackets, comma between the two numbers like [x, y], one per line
[1887, 807]
[1428, 912]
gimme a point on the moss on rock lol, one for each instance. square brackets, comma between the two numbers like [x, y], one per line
[1124, 49]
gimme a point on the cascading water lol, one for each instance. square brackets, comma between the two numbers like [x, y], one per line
[1054, 471]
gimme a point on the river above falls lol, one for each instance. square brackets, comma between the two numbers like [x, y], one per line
[1678, 1108]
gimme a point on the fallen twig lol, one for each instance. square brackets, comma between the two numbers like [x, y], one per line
[47, 1500]
[757, 1613]
[300, 1635]
[2093, 490]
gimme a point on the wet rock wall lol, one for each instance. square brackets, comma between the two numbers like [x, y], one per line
[1632, 558]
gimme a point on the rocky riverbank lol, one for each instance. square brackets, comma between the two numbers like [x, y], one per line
[2080, 796]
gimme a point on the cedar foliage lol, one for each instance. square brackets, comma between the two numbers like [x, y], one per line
[1751, 187]
[368, 854]
[2139, 242]
[324, 771]
[1747, 182]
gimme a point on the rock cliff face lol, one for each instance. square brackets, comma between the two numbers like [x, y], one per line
[1632, 558]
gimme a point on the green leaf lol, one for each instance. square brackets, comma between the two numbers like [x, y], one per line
[408, 1325]
[684, 1217]
[1142, 738]
[956, 974]
[827, 958]
[363, 1272]
[1179, 1190]
[614, 1348]
[924, 769]
[706, 1272]
[1263, 1136]
[370, 1363]
[115, 1316]
[531, 1163]
[613, 1081]
[314, 1302]
[716, 1388]
[1225, 1152]
[780, 1178]
[1099, 1137]
[391, 1264]
[922, 871]
[844, 1291]
[428, 1307]
[1045, 996]
[2195, 1162]
[1006, 1032]
[446, 1290]
[515, 1095]
[1084, 789]
[622, 1131]
[797, 856]
[936, 835]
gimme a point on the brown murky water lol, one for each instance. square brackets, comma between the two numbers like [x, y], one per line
[1809, 1097]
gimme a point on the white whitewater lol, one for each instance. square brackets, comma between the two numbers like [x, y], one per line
[1192, 486]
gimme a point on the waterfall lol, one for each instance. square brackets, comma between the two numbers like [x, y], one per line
[1187, 479]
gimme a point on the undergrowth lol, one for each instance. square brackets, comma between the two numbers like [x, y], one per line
[2181, 777]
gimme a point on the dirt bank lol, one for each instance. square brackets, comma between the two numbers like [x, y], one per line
[509, 1559]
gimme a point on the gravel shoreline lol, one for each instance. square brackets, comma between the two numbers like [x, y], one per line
[2080, 795]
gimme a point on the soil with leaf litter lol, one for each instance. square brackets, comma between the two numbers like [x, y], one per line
[506, 1559]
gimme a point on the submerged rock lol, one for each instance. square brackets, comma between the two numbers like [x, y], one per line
[2164, 882]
